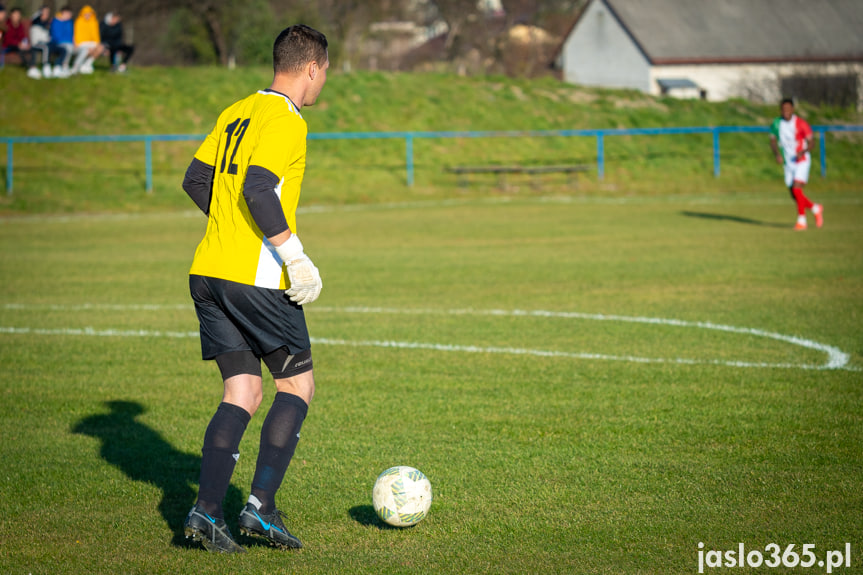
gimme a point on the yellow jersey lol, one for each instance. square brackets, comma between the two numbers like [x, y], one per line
[266, 130]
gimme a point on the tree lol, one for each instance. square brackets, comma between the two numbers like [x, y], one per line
[224, 22]
[457, 14]
[346, 23]
[227, 31]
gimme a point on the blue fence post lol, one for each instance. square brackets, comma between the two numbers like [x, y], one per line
[822, 150]
[716, 152]
[409, 158]
[600, 156]
[148, 145]
[9, 167]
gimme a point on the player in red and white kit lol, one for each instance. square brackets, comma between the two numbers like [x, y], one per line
[791, 141]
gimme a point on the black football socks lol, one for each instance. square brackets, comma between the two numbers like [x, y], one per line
[279, 437]
[220, 455]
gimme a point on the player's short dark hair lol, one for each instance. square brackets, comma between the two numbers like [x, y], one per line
[296, 46]
[787, 101]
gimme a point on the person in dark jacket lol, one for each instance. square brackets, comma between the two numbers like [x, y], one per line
[111, 31]
[16, 39]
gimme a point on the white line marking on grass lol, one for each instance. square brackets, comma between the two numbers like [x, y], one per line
[565, 354]
[744, 199]
[98, 332]
[836, 358]
[98, 306]
[100, 217]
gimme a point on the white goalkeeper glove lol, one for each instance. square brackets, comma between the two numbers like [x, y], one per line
[305, 278]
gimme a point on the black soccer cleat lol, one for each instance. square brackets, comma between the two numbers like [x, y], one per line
[212, 533]
[269, 526]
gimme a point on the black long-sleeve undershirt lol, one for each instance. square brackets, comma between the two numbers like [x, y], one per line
[259, 191]
[198, 183]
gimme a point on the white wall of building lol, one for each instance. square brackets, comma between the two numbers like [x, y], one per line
[756, 82]
[599, 52]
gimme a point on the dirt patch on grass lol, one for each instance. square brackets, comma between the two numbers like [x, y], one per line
[624, 104]
[579, 97]
[518, 93]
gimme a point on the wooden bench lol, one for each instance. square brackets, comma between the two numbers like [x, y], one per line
[572, 170]
[10, 58]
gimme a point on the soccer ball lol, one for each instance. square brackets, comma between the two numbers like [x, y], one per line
[402, 496]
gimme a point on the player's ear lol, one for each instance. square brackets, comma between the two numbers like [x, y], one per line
[313, 69]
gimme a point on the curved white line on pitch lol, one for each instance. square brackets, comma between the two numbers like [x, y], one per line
[836, 358]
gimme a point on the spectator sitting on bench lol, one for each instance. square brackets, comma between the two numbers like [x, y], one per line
[111, 30]
[2, 23]
[17, 40]
[41, 43]
[87, 38]
[63, 35]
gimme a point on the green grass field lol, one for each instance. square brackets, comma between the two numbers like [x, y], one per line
[552, 446]
[595, 379]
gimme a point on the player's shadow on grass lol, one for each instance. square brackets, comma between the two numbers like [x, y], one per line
[143, 455]
[738, 219]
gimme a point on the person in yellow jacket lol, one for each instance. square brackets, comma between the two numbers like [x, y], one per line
[88, 44]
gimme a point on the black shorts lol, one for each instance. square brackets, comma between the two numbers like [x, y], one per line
[240, 317]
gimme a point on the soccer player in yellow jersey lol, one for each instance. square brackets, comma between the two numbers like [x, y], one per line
[250, 279]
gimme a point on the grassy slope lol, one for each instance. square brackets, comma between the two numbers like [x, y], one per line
[100, 177]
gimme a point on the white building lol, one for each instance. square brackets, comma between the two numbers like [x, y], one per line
[718, 49]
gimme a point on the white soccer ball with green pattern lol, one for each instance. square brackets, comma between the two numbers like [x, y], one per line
[402, 496]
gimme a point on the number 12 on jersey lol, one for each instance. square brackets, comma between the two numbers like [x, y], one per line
[235, 131]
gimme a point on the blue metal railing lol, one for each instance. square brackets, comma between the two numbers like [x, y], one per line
[409, 137]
